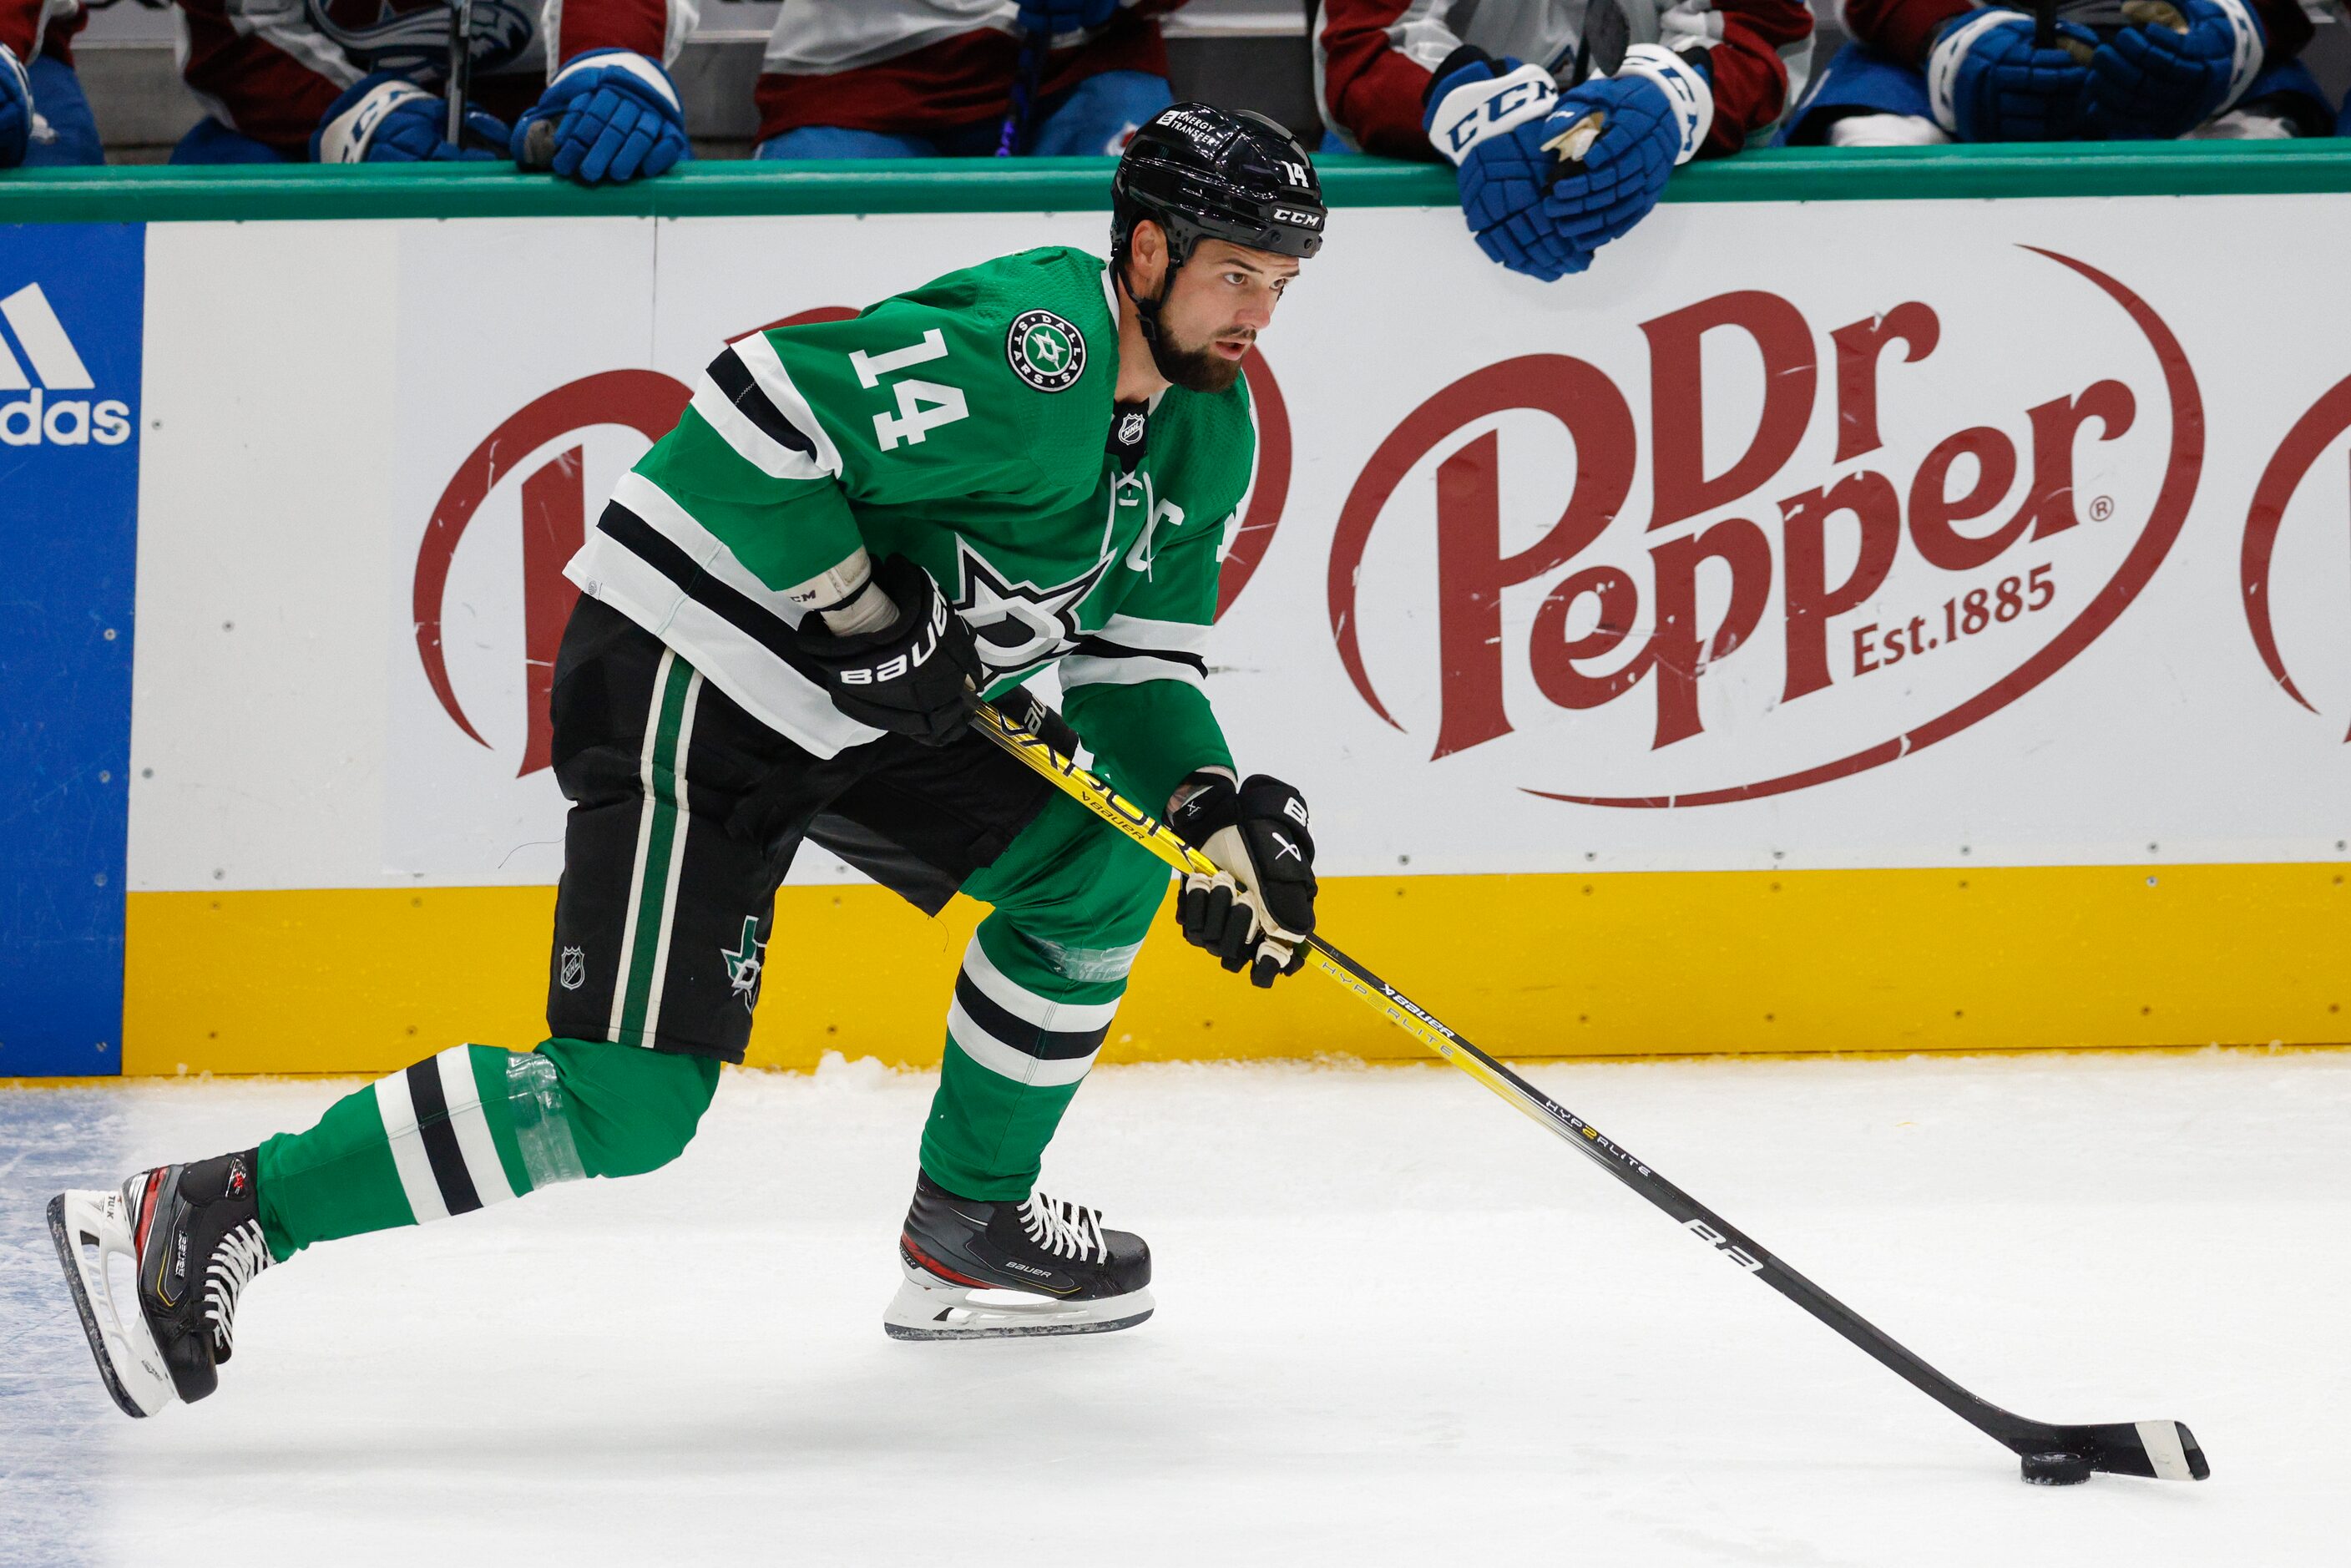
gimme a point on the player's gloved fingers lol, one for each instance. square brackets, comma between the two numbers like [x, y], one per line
[1271, 962]
[610, 137]
[666, 151]
[570, 145]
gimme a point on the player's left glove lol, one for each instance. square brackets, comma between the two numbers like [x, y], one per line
[1633, 129]
[383, 119]
[16, 108]
[1486, 116]
[1258, 911]
[2174, 66]
[609, 115]
[1054, 17]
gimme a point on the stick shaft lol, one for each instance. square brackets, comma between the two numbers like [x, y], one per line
[1095, 793]
[1012, 140]
[461, 67]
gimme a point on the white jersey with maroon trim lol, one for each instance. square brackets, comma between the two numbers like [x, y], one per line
[27, 26]
[1373, 58]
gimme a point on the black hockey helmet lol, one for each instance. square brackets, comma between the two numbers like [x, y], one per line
[1203, 172]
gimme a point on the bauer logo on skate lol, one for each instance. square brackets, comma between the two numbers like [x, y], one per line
[1834, 560]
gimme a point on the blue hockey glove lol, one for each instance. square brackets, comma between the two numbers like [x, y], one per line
[1650, 116]
[2174, 68]
[1987, 83]
[1053, 17]
[1488, 116]
[610, 114]
[380, 119]
[16, 108]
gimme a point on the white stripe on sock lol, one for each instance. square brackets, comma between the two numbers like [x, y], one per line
[471, 1125]
[1010, 1061]
[1067, 1018]
[408, 1156]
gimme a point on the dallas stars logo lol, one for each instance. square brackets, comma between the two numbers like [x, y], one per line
[1046, 351]
[743, 964]
[1019, 624]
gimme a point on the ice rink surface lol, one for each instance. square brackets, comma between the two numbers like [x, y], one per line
[1397, 1325]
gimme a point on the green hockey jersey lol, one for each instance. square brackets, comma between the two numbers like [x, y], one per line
[967, 424]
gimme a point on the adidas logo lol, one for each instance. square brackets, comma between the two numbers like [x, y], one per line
[41, 415]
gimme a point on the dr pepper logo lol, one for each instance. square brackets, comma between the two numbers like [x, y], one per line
[1822, 546]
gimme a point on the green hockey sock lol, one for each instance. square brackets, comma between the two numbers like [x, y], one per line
[474, 1126]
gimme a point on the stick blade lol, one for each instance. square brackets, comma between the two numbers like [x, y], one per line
[2157, 1450]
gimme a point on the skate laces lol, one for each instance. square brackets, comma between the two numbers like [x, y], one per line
[240, 1255]
[1064, 1230]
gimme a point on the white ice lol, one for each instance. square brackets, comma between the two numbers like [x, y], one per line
[1397, 1325]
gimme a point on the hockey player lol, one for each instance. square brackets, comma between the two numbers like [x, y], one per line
[1923, 72]
[1569, 150]
[45, 120]
[355, 81]
[922, 79]
[787, 608]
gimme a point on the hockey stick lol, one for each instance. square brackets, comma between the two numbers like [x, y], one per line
[2051, 1455]
[1035, 44]
[461, 67]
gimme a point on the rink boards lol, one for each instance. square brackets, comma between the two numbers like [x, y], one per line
[1824, 625]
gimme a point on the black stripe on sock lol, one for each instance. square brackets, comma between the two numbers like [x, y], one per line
[734, 378]
[448, 1161]
[1045, 1044]
[1100, 648]
[648, 544]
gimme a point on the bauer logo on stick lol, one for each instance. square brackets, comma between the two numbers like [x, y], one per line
[1046, 351]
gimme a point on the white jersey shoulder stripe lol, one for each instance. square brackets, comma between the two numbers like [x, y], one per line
[759, 357]
[1085, 670]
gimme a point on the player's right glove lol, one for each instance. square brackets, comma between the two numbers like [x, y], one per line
[382, 119]
[1987, 82]
[1488, 116]
[609, 115]
[918, 676]
[16, 108]
[1652, 116]
[2173, 67]
[1259, 909]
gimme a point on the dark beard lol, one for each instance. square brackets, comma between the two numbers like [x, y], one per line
[1200, 370]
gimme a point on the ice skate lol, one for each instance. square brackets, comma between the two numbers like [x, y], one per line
[188, 1238]
[1004, 1271]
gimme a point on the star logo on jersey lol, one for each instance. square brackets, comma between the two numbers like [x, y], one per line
[745, 963]
[1046, 351]
[1019, 624]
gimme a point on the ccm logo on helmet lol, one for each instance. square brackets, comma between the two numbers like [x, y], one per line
[1303, 220]
[912, 659]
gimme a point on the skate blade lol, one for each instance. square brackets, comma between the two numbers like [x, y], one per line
[934, 1309]
[91, 1229]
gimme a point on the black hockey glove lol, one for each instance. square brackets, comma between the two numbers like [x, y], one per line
[919, 676]
[1260, 908]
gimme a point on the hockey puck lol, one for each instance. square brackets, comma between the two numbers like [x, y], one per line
[2056, 1469]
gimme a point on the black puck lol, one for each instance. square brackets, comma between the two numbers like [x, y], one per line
[2056, 1469]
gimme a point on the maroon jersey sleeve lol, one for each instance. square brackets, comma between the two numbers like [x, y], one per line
[272, 75]
[1371, 87]
[30, 27]
[1906, 29]
[653, 29]
[1749, 77]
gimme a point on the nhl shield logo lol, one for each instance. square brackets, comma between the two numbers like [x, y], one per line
[1046, 351]
[574, 971]
[1130, 429]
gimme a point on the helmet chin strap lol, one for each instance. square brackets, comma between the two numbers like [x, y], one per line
[1146, 311]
